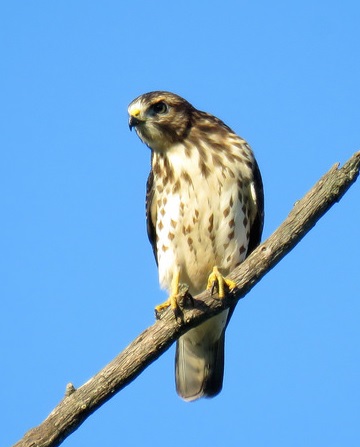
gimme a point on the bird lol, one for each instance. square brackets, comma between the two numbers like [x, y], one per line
[204, 214]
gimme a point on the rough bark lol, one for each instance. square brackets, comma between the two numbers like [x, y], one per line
[79, 404]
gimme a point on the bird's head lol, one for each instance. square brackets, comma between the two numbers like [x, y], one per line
[161, 119]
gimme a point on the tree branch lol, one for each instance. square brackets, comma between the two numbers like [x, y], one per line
[79, 404]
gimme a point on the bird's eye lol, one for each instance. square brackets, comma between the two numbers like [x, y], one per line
[159, 108]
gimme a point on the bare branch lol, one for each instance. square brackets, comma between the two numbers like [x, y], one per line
[79, 404]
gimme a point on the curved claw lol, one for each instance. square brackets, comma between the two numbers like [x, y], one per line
[216, 277]
[174, 297]
[170, 302]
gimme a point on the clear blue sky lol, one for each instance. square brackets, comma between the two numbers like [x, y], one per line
[78, 278]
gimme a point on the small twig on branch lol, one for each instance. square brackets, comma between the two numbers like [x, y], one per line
[80, 403]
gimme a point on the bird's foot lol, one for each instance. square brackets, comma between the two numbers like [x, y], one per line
[176, 298]
[172, 302]
[217, 280]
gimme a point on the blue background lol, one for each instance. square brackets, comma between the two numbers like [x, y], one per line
[78, 278]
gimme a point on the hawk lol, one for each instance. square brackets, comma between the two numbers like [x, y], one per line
[205, 213]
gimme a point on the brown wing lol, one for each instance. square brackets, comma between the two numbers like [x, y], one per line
[258, 224]
[150, 213]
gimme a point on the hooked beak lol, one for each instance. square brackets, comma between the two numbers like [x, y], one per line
[133, 122]
[134, 119]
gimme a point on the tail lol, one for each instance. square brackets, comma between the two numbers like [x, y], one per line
[199, 361]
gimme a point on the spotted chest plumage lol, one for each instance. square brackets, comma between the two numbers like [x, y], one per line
[201, 211]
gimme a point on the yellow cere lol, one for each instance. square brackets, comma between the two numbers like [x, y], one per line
[135, 112]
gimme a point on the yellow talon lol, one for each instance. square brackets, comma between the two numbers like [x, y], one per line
[216, 277]
[162, 306]
[172, 301]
